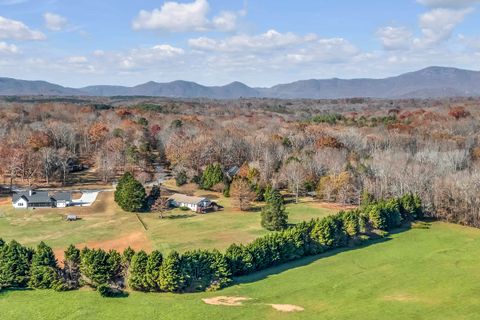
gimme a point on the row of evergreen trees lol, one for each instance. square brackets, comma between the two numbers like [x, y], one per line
[198, 270]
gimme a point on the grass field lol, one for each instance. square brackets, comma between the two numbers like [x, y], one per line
[107, 226]
[416, 274]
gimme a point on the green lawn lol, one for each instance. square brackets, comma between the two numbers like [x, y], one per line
[417, 274]
[106, 225]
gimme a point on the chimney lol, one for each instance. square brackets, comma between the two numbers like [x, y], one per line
[30, 192]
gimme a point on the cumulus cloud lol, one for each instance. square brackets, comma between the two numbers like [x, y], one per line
[181, 17]
[395, 38]
[6, 48]
[54, 22]
[12, 29]
[146, 56]
[269, 40]
[437, 25]
[174, 16]
[447, 3]
[332, 50]
[226, 21]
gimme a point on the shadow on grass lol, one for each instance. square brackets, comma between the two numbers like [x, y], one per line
[5, 291]
[179, 216]
[260, 275]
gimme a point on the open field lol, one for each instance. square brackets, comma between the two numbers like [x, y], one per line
[105, 225]
[416, 274]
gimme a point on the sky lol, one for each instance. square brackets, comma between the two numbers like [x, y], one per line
[213, 42]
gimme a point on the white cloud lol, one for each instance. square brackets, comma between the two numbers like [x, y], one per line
[77, 59]
[226, 21]
[6, 48]
[12, 29]
[182, 17]
[174, 16]
[147, 56]
[333, 50]
[269, 40]
[447, 3]
[54, 22]
[395, 38]
[437, 25]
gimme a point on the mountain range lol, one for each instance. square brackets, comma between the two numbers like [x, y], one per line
[431, 82]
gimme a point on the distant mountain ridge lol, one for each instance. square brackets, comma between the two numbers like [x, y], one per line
[431, 82]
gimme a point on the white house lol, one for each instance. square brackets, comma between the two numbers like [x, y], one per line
[41, 199]
[197, 204]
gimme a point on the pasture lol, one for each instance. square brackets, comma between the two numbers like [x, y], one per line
[106, 226]
[414, 274]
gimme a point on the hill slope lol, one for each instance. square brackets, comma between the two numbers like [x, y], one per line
[416, 274]
[432, 82]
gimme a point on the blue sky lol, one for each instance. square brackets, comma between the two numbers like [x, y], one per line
[213, 42]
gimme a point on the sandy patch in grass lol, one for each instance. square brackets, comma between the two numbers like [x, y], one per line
[401, 298]
[225, 301]
[287, 307]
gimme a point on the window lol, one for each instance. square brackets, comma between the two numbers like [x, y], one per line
[20, 204]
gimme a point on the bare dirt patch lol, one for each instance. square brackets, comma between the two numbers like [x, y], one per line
[136, 240]
[330, 205]
[287, 307]
[225, 301]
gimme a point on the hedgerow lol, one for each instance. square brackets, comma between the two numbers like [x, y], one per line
[199, 270]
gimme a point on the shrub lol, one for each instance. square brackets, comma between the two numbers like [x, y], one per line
[181, 178]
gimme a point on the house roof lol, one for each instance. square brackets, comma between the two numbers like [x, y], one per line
[41, 196]
[65, 196]
[35, 197]
[182, 198]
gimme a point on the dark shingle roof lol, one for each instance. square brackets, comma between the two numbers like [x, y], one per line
[42, 196]
[36, 197]
[65, 196]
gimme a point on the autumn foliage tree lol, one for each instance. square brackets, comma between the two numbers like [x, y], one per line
[242, 194]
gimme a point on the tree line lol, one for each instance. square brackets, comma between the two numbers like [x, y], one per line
[110, 272]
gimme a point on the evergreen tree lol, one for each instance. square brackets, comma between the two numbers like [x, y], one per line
[220, 272]
[14, 265]
[212, 175]
[171, 276]
[127, 255]
[152, 275]
[127, 176]
[130, 194]
[71, 268]
[137, 271]
[44, 272]
[100, 267]
[274, 216]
